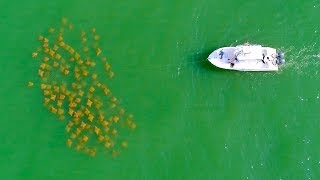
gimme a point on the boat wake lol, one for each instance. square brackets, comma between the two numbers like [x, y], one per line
[304, 61]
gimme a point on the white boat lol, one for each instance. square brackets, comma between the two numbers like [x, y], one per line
[247, 57]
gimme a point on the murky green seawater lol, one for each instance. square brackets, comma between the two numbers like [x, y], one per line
[194, 121]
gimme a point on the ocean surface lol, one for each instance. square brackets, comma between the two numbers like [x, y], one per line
[194, 121]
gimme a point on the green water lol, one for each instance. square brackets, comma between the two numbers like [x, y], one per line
[194, 121]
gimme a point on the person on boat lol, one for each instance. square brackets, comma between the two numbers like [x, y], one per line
[221, 53]
[264, 62]
[263, 56]
[231, 62]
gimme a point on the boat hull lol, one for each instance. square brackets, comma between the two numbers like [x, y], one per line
[253, 58]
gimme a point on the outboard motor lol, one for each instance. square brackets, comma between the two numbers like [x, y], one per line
[280, 58]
